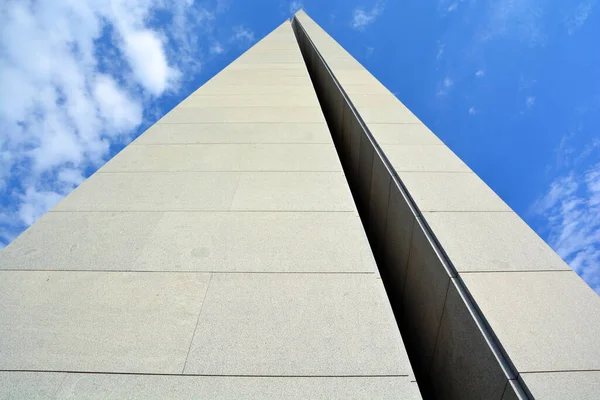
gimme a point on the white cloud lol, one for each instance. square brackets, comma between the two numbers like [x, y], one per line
[571, 209]
[530, 101]
[519, 19]
[35, 204]
[472, 111]
[440, 52]
[115, 106]
[242, 34]
[479, 73]
[295, 6]
[361, 18]
[191, 24]
[216, 48]
[575, 18]
[144, 52]
[446, 7]
[70, 176]
[74, 78]
[445, 86]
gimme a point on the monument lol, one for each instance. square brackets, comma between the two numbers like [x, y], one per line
[291, 230]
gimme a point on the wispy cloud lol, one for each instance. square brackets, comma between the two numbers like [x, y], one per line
[216, 48]
[577, 17]
[446, 7]
[571, 155]
[519, 19]
[242, 34]
[444, 87]
[295, 6]
[571, 208]
[440, 52]
[530, 101]
[472, 111]
[361, 17]
[75, 77]
[480, 73]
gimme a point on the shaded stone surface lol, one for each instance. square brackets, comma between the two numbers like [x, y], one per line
[476, 238]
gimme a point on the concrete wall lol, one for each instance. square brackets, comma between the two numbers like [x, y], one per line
[487, 310]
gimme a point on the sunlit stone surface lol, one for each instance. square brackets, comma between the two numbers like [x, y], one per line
[219, 256]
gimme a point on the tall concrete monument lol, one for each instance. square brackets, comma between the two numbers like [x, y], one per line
[291, 231]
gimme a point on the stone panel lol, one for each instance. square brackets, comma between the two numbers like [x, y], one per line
[29, 385]
[98, 321]
[550, 344]
[403, 134]
[469, 368]
[568, 385]
[82, 241]
[157, 191]
[226, 157]
[365, 172]
[425, 292]
[378, 210]
[423, 158]
[276, 132]
[398, 234]
[243, 114]
[251, 88]
[293, 324]
[355, 77]
[258, 242]
[119, 387]
[351, 137]
[492, 241]
[391, 115]
[216, 101]
[287, 191]
[451, 191]
[347, 136]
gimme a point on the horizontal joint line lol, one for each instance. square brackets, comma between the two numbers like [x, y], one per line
[515, 271]
[207, 170]
[208, 375]
[193, 272]
[205, 211]
[220, 143]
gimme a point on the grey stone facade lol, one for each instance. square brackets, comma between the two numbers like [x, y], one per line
[291, 230]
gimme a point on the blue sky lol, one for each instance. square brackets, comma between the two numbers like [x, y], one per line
[512, 86]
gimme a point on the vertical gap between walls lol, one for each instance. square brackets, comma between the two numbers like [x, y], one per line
[306, 46]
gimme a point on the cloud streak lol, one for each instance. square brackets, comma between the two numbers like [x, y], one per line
[242, 34]
[571, 208]
[361, 18]
[216, 48]
[575, 20]
[444, 87]
[520, 19]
